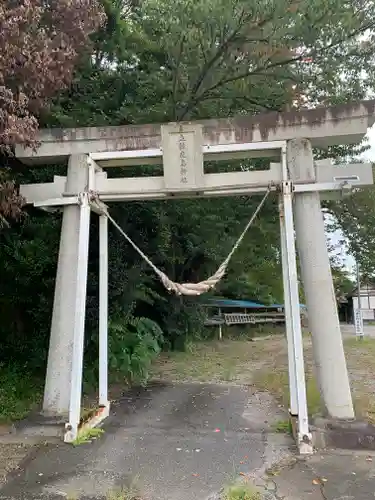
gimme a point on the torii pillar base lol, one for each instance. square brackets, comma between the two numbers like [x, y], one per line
[324, 323]
[58, 379]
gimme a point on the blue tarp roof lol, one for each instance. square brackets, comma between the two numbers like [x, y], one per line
[245, 304]
[234, 303]
[282, 305]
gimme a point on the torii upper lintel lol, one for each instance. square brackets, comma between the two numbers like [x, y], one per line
[324, 126]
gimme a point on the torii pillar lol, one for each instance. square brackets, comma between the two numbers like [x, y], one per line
[329, 356]
[59, 367]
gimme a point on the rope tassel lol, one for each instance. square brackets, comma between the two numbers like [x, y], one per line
[192, 289]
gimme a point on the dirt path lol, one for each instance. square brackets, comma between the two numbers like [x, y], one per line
[229, 361]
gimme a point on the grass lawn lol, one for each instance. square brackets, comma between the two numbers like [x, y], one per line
[360, 357]
[212, 361]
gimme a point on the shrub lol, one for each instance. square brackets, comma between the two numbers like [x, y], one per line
[133, 345]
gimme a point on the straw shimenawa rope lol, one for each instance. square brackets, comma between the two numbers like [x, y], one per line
[193, 289]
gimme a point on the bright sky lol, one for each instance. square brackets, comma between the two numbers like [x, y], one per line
[370, 154]
[348, 260]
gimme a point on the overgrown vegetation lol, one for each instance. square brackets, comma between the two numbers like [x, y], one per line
[241, 492]
[276, 381]
[131, 492]
[87, 436]
[155, 61]
[283, 427]
[20, 392]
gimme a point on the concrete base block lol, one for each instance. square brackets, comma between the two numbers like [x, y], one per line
[40, 425]
[95, 418]
[342, 434]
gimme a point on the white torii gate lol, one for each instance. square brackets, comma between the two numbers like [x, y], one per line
[288, 138]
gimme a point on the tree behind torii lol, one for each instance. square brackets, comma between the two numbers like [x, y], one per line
[40, 42]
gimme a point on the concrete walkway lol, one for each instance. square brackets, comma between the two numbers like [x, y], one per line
[185, 442]
[180, 442]
[324, 476]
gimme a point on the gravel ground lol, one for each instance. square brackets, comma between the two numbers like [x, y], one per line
[11, 455]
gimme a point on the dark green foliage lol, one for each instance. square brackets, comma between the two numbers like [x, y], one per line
[20, 391]
[133, 345]
[28, 260]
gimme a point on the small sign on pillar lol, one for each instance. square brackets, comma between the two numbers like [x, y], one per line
[182, 145]
[358, 322]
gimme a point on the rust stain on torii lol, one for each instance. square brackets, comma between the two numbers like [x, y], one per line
[238, 129]
[244, 126]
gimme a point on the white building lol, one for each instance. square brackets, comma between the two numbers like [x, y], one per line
[367, 302]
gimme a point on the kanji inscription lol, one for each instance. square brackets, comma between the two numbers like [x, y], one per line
[182, 145]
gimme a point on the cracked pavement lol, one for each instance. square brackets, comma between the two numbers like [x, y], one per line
[186, 442]
[331, 475]
[180, 442]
